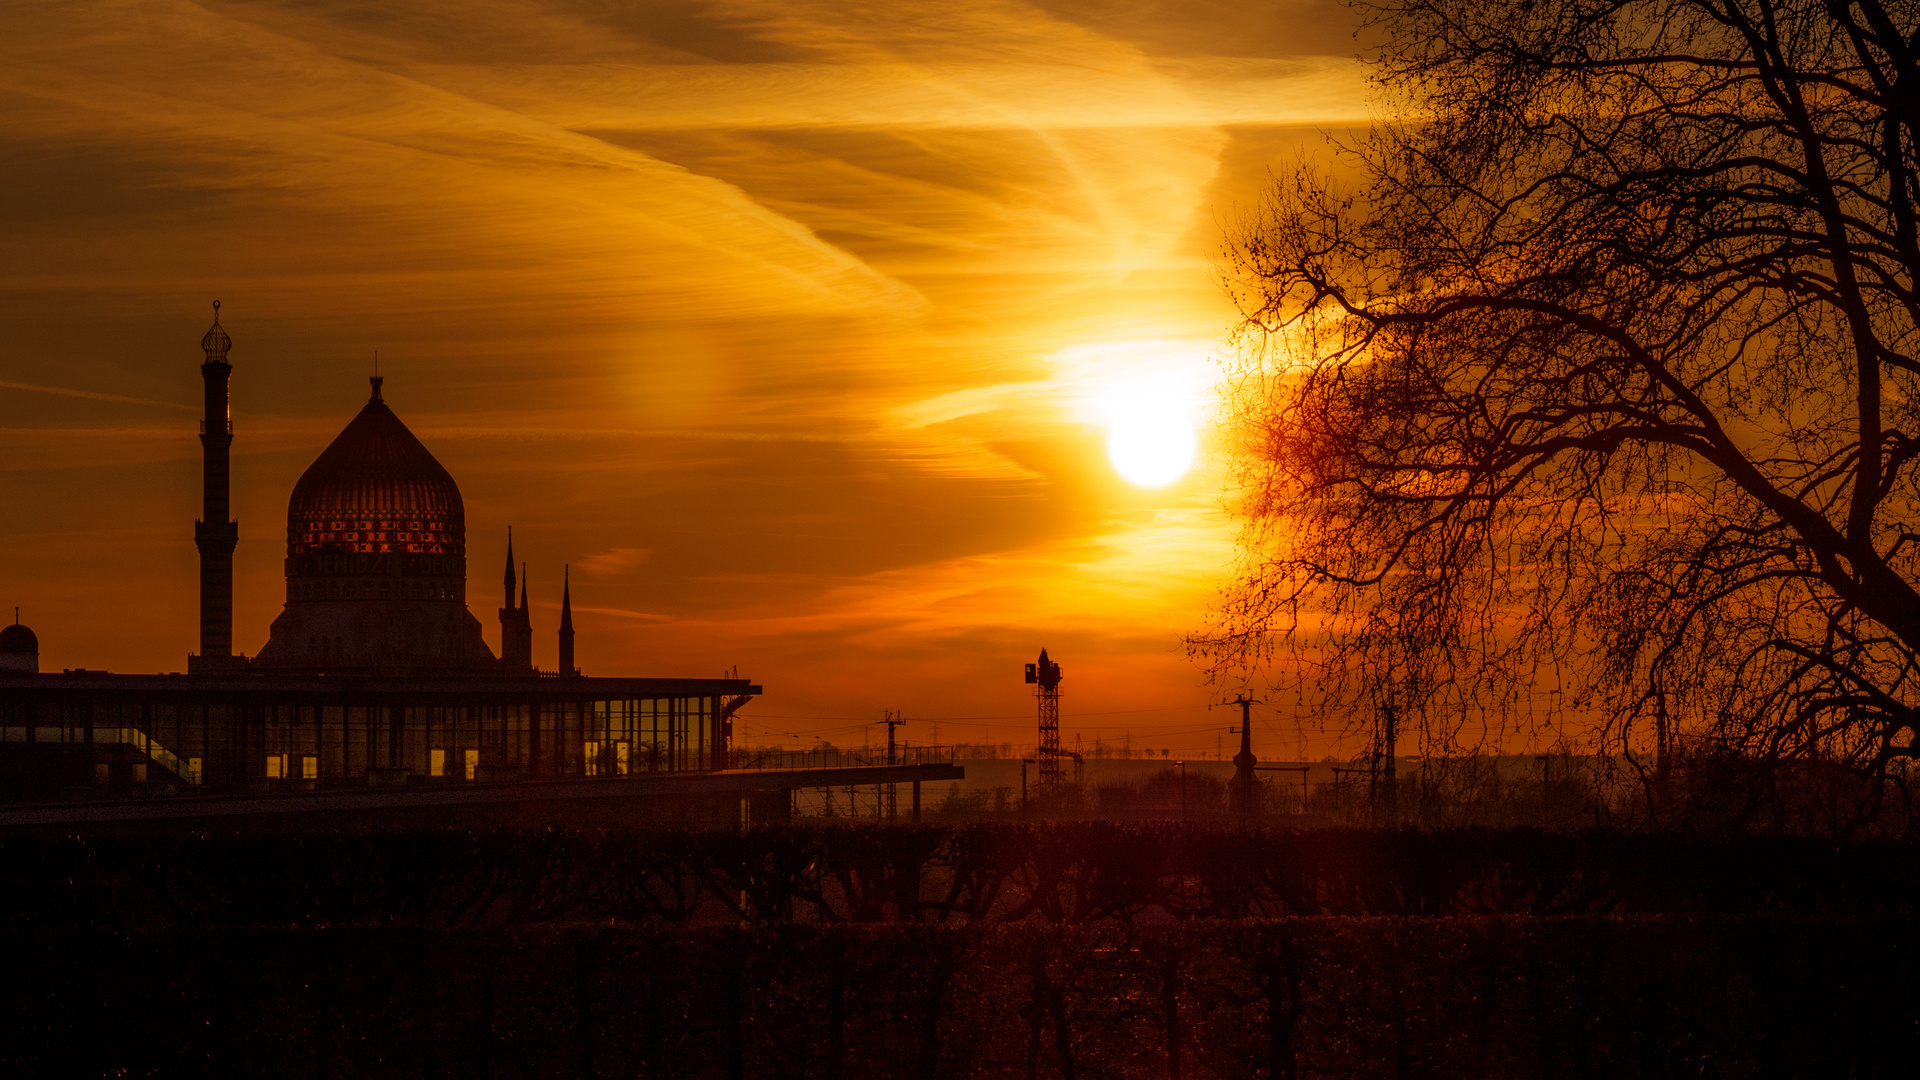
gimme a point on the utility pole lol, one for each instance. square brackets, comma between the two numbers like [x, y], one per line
[892, 721]
[893, 792]
[1183, 789]
[1383, 783]
[1301, 769]
[1024, 762]
[1243, 797]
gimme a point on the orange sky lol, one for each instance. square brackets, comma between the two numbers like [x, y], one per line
[794, 327]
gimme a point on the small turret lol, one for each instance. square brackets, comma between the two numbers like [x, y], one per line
[19, 648]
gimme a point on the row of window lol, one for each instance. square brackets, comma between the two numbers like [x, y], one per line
[309, 545]
[469, 763]
[384, 588]
[364, 524]
[192, 772]
[278, 766]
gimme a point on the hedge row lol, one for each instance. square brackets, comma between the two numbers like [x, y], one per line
[1072, 873]
[1604, 996]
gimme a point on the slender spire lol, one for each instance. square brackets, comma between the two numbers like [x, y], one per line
[566, 622]
[509, 600]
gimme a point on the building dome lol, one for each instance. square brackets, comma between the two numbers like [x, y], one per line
[376, 489]
[376, 558]
[19, 648]
[19, 639]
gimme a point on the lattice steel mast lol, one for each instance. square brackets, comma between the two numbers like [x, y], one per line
[1046, 675]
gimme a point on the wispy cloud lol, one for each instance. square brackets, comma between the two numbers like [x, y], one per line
[92, 395]
[785, 321]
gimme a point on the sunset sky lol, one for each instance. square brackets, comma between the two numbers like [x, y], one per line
[798, 329]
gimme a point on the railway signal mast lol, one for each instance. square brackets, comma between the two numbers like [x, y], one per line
[1046, 675]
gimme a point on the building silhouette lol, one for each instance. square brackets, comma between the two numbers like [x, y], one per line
[375, 690]
[20, 648]
[374, 672]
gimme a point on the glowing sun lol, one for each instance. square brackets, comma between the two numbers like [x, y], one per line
[1151, 440]
[1150, 395]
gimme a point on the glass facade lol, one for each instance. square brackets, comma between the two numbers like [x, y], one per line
[311, 733]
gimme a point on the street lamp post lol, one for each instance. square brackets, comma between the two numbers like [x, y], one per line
[1183, 789]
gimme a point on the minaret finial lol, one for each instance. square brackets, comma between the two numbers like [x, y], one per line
[216, 342]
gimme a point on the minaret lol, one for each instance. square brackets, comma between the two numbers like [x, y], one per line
[566, 623]
[215, 534]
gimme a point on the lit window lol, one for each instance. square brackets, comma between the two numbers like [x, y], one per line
[276, 766]
[194, 767]
[592, 750]
[436, 763]
[620, 757]
[473, 764]
[310, 768]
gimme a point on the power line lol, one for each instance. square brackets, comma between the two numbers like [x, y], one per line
[1012, 716]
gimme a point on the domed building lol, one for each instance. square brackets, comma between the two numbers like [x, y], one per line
[19, 647]
[376, 559]
[375, 681]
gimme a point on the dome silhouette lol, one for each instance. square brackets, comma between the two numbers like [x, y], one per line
[19, 640]
[376, 558]
[215, 341]
[19, 648]
[375, 488]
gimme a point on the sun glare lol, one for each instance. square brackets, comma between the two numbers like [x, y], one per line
[1149, 396]
[1150, 441]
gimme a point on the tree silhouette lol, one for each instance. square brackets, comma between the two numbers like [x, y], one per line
[1597, 354]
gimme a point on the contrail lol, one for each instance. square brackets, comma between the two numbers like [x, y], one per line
[91, 394]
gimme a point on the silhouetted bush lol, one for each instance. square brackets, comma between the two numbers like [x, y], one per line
[1066, 873]
[1348, 997]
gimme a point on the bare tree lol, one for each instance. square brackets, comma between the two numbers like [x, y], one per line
[1605, 364]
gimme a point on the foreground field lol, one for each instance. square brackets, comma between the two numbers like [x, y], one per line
[1326, 997]
[1092, 950]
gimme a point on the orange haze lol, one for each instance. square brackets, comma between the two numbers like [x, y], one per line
[786, 324]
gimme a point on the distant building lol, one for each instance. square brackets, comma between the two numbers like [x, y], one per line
[375, 672]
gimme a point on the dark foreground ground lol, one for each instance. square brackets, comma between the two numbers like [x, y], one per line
[1162, 952]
